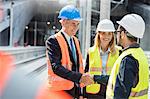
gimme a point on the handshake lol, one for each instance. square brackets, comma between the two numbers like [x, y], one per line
[86, 79]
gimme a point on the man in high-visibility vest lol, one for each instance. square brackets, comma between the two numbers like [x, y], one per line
[130, 74]
[64, 57]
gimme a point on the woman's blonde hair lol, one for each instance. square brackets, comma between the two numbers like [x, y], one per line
[112, 43]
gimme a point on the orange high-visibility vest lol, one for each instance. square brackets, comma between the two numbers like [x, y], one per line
[58, 83]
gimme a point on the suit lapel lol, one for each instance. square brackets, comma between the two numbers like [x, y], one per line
[69, 49]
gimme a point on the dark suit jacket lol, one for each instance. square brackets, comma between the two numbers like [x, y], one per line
[55, 56]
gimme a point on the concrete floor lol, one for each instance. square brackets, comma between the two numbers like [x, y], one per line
[25, 80]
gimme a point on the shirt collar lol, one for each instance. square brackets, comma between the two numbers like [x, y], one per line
[101, 51]
[66, 35]
[134, 45]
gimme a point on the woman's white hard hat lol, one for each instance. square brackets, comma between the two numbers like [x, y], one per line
[105, 25]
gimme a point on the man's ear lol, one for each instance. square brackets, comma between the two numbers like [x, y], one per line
[122, 34]
[62, 21]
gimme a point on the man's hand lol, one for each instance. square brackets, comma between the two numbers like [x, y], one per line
[86, 79]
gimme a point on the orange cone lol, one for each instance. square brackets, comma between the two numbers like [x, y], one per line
[6, 67]
[45, 93]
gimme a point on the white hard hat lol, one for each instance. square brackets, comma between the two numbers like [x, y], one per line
[134, 24]
[105, 25]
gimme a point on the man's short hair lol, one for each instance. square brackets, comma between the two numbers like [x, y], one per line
[130, 36]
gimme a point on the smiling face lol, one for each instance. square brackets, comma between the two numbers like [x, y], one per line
[105, 38]
[70, 26]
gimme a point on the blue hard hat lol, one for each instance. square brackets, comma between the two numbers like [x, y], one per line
[70, 12]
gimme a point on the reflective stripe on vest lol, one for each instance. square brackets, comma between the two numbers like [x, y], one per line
[95, 66]
[57, 83]
[137, 94]
[141, 89]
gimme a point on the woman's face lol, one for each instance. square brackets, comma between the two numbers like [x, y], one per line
[105, 38]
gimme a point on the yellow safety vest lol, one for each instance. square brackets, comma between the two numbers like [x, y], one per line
[141, 89]
[95, 66]
[57, 83]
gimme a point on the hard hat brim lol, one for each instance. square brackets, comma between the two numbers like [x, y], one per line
[77, 19]
[80, 19]
[105, 30]
[118, 22]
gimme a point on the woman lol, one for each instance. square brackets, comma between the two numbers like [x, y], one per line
[100, 59]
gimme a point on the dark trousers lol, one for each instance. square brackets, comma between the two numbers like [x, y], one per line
[74, 92]
[97, 97]
[100, 95]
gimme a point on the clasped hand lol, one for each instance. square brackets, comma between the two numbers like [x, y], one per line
[86, 79]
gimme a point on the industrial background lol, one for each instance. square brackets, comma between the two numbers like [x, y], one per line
[26, 24]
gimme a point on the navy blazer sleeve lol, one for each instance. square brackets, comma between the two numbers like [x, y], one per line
[54, 54]
[87, 64]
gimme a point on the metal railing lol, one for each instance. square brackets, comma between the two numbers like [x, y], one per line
[24, 54]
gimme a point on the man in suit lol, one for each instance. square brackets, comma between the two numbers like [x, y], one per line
[64, 57]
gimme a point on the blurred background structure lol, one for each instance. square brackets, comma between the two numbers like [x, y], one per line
[26, 24]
